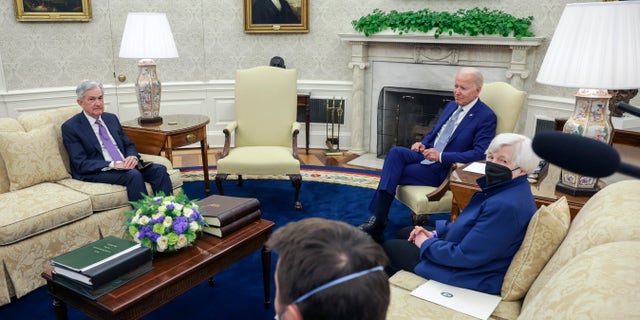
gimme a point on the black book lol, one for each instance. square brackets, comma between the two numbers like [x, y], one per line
[107, 271]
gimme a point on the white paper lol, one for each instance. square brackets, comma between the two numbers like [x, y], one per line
[474, 303]
[475, 167]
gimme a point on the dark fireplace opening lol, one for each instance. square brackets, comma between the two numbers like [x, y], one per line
[405, 115]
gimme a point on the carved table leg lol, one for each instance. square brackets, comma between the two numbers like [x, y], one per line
[60, 309]
[266, 275]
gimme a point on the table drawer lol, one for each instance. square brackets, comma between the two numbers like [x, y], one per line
[187, 138]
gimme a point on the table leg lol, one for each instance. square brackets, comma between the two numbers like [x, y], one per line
[60, 309]
[205, 163]
[307, 119]
[266, 275]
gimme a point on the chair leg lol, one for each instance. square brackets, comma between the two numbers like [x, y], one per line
[219, 178]
[296, 181]
[239, 180]
[419, 219]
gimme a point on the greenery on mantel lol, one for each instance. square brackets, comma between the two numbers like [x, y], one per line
[472, 22]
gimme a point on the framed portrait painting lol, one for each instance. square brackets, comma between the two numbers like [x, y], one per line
[276, 16]
[53, 10]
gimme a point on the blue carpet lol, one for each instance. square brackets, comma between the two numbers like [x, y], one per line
[238, 291]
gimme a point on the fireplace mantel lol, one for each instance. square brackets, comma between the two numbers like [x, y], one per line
[420, 48]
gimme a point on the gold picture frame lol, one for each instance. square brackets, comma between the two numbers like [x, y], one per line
[53, 10]
[262, 16]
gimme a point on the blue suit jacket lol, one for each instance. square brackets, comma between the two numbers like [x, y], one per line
[470, 139]
[85, 151]
[476, 250]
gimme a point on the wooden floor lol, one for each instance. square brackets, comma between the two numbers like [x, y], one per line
[316, 157]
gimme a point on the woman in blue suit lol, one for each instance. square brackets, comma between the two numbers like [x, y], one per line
[475, 251]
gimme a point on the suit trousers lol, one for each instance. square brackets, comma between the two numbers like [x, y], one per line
[134, 179]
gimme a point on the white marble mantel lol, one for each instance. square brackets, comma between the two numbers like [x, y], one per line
[507, 53]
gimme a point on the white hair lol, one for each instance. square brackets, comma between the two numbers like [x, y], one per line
[523, 155]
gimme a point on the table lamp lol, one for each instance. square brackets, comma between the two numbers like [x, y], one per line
[596, 48]
[148, 36]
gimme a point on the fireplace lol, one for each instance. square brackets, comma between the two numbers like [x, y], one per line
[422, 61]
[405, 115]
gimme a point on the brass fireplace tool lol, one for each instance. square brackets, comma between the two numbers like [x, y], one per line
[333, 113]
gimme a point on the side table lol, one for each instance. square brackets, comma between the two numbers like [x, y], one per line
[303, 101]
[463, 186]
[173, 132]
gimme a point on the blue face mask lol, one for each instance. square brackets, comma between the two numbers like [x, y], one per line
[331, 284]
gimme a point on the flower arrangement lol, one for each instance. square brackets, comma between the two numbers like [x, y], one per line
[164, 223]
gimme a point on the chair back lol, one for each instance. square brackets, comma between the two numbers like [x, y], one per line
[505, 101]
[265, 106]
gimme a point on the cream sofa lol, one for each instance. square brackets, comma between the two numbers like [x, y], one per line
[43, 211]
[593, 274]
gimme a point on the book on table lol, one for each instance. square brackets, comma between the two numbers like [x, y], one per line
[233, 226]
[95, 253]
[108, 270]
[220, 211]
[95, 293]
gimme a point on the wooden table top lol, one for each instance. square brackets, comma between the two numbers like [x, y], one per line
[173, 274]
[170, 123]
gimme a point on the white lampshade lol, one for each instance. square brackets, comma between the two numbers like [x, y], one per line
[147, 35]
[596, 45]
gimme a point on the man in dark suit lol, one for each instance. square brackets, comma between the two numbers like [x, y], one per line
[273, 12]
[99, 151]
[462, 134]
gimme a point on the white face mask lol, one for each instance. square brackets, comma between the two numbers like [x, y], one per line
[331, 284]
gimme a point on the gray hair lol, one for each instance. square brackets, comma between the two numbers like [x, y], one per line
[479, 78]
[523, 155]
[87, 85]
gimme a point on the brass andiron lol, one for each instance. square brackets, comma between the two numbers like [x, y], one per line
[334, 114]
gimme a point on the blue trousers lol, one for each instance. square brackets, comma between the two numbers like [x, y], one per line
[155, 174]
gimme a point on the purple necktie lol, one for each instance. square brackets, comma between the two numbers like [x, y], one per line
[108, 144]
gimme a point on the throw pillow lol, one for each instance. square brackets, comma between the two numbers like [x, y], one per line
[546, 230]
[32, 157]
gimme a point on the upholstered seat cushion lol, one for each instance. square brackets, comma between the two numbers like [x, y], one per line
[259, 160]
[39, 208]
[110, 196]
[415, 197]
[404, 306]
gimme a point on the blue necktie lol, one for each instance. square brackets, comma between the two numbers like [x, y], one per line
[445, 135]
[108, 144]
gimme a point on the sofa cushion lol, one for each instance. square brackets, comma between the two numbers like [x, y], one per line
[404, 306]
[32, 157]
[7, 125]
[56, 117]
[37, 209]
[610, 215]
[599, 283]
[545, 232]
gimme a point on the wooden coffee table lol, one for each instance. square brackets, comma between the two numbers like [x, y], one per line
[173, 274]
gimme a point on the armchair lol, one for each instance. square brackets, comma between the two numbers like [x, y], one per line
[506, 102]
[265, 128]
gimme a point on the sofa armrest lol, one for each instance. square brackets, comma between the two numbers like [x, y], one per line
[157, 159]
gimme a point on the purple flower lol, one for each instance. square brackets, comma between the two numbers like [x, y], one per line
[180, 224]
[170, 206]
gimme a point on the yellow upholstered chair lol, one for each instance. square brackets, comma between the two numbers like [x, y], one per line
[506, 102]
[265, 128]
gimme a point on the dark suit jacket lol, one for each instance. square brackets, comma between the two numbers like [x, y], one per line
[85, 151]
[265, 12]
[470, 139]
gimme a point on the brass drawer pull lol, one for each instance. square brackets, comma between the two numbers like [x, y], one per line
[191, 138]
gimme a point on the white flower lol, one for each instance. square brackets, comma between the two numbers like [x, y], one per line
[194, 226]
[182, 241]
[162, 243]
[167, 222]
[162, 209]
[177, 206]
[157, 215]
[187, 212]
[136, 237]
[144, 220]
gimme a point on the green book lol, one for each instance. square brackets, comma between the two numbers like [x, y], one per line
[94, 254]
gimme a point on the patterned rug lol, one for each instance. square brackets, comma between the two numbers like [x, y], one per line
[346, 176]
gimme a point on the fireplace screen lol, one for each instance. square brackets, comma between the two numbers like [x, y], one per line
[405, 115]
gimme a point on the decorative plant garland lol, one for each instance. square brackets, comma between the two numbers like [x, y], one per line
[472, 22]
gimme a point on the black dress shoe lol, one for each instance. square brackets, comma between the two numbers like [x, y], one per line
[374, 228]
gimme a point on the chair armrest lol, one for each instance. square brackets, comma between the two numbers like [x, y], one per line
[295, 129]
[439, 192]
[231, 127]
